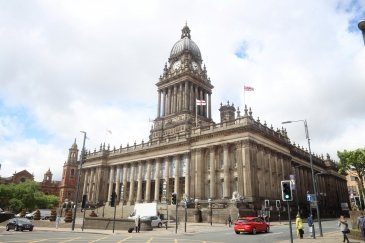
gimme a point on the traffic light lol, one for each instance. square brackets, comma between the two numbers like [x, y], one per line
[278, 204]
[112, 199]
[84, 200]
[286, 192]
[173, 198]
[267, 203]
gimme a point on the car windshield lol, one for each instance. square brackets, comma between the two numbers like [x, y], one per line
[243, 221]
[23, 221]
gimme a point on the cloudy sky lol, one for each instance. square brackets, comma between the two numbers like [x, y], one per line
[67, 66]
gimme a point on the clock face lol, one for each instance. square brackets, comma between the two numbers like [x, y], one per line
[195, 65]
[177, 65]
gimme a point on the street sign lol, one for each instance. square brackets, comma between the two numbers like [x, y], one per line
[311, 198]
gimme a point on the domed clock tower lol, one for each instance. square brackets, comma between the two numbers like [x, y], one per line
[183, 82]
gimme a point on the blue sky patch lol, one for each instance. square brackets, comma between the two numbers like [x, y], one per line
[241, 51]
[21, 124]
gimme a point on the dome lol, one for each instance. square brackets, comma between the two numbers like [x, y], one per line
[185, 44]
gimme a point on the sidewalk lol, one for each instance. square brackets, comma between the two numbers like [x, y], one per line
[328, 237]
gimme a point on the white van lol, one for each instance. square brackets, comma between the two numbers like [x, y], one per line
[45, 214]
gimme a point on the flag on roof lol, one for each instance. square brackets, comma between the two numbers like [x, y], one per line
[248, 88]
[201, 102]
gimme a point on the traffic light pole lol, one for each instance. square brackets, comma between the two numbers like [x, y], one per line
[290, 227]
[176, 217]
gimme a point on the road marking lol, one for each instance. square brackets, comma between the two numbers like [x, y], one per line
[99, 239]
[149, 241]
[125, 239]
[70, 239]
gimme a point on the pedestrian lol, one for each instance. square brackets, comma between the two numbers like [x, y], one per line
[361, 224]
[137, 223]
[310, 225]
[229, 220]
[58, 220]
[342, 223]
[299, 226]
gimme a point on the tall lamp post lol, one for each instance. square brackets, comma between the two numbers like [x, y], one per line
[78, 179]
[361, 26]
[311, 163]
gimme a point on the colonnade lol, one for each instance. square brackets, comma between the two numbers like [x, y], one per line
[182, 97]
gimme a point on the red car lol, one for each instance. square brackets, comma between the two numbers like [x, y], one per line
[251, 225]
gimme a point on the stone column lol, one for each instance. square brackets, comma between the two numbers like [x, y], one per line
[164, 102]
[210, 106]
[139, 178]
[187, 176]
[111, 182]
[131, 186]
[177, 169]
[191, 95]
[167, 176]
[227, 179]
[148, 181]
[240, 177]
[91, 182]
[117, 184]
[212, 172]
[84, 190]
[247, 170]
[157, 180]
[199, 174]
[159, 104]
[124, 181]
[186, 95]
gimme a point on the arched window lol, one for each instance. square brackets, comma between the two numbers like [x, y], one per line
[72, 172]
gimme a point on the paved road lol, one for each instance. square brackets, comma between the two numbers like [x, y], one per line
[196, 233]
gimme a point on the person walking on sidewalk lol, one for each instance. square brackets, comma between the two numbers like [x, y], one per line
[299, 226]
[361, 224]
[342, 223]
[137, 223]
[310, 225]
[58, 220]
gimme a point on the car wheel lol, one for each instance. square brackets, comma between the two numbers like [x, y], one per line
[254, 231]
[31, 229]
[159, 225]
[267, 229]
[7, 228]
[237, 232]
[16, 228]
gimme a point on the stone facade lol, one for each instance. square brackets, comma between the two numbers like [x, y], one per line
[188, 153]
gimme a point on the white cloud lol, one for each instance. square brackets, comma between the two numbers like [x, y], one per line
[93, 66]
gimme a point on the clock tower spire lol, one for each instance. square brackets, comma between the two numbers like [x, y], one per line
[183, 82]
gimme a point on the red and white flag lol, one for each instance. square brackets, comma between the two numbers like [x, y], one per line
[201, 102]
[248, 88]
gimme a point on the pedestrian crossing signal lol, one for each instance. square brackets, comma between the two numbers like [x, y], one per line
[286, 191]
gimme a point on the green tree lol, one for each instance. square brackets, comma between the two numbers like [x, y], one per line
[15, 204]
[354, 160]
[25, 195]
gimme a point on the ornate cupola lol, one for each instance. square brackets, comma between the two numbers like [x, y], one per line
[227, 112]
[183, 82]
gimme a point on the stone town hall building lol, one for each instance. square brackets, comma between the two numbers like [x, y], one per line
[201, 159]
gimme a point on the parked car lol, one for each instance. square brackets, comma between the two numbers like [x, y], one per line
[155, 221]
[251, 225]
[45, 214]
[18, 215]
[19, 224]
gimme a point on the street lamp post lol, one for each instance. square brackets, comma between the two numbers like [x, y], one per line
[311, 164]
[82, 156]
[361, 26]
[296, 185]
